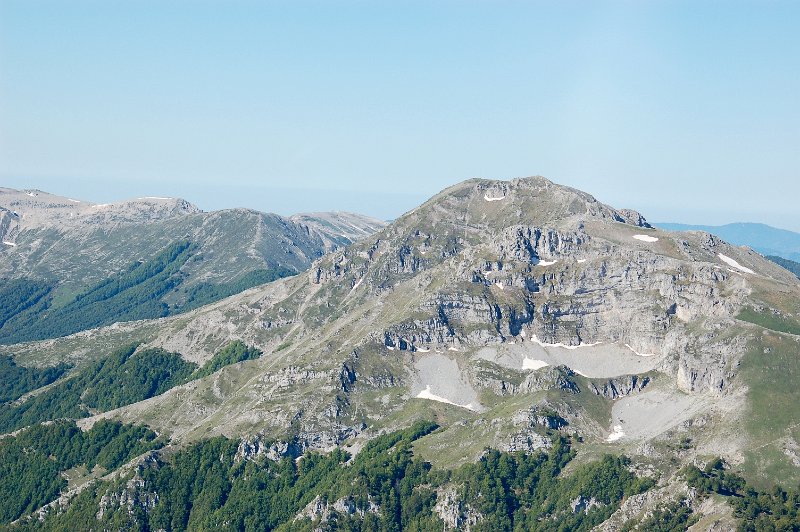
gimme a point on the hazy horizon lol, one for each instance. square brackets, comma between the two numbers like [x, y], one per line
[684, 111]
[359, 203]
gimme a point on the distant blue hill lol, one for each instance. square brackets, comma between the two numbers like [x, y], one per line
[763, 238]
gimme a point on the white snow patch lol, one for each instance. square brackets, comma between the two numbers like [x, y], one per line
[31, 194]
[452, 349]
[579, 373]
[546, 262]
[390, 348]
[581, 261]
[616, 434]
[531, 363]
[101, 205]
[499, 285]
[9, 243]
[423, 350]
[155, 197]
[73, 200]
[487, 198]
[645, 238]
[427, 394]
[640, 354]
[358, 283]
[536, 340]
[731, 262]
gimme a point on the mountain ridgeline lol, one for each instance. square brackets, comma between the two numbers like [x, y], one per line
[583, 368]
[69, 266]
[767, 240]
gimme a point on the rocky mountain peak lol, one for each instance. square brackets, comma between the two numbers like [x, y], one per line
[30, 208]
[532, 201]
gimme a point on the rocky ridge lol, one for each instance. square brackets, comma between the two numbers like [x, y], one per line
[476, 306]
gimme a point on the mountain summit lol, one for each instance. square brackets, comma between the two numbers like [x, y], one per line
[507, 311]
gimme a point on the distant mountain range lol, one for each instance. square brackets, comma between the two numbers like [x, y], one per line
[69, 265]
[763, 238]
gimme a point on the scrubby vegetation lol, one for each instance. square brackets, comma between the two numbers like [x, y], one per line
[774, 510]
[673, 517]
[384, 488]
[768, 320]
[204, 293]
[16, 381]
[32, 462]
[234, 352]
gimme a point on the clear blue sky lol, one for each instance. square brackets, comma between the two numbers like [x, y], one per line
[688, 111]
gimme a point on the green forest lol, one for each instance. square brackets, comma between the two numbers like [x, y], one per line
[386, 488]
[32, 461]
[138, 292]
[790, 265]
[120, 379]
[124, 377]
[774, 510]
[232, 353]
[16, 381]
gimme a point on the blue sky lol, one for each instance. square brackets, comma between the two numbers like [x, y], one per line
[686, 111]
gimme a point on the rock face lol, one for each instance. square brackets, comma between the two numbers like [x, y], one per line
[454, 513]
[523, 290]
[620, 387]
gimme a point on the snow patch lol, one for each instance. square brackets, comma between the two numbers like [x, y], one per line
[422, 350]
[499, 285]
[531, 363]
[452, 349]
[356, 285]
[546, 262]
[579, 373]
[731, 262]
[31, 194]
[616, 434]
[487, 198]
[156, 197]
[73, 200]
[101, 205]
[428, 394]
[640, 354]
[390, 348]
[581, 261]
[9, 243]
[645, 238]
[536, 340]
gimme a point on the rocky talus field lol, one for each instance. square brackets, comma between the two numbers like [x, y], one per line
[504, 330]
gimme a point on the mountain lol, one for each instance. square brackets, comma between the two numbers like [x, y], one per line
[508, 354]
[763, 238]
[790, 265]
[338, 229]
[70, 265]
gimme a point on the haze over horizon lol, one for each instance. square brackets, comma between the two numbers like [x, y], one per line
[685, 111]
